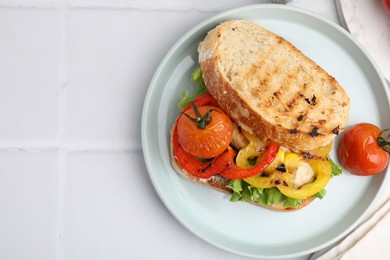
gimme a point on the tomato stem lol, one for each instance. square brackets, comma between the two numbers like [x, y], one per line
[383, 140]
[200, 121]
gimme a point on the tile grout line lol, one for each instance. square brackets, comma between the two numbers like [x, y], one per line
[69, 148]
[109, 6]
[61, 133]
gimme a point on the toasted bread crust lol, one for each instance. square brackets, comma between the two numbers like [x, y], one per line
[219, 183]
[270, 88]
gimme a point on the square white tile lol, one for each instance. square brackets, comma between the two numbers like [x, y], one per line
[107, 198]
[29, 75]
[28, 205]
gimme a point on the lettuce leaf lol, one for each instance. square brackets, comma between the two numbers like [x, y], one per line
[336, 169]
[236, 187]
[198, 80]
[290, 202]
[201, 89]
[320, 194]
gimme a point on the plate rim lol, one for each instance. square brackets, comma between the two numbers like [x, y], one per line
[144, 122]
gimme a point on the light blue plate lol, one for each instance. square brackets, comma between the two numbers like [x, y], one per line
[242, 228]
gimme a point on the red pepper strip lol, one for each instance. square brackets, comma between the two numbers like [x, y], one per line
[195, 167]
[235, 172]
[189, 163]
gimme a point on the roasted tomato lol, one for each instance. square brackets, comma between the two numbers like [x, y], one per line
[204, 131]
[364, 149]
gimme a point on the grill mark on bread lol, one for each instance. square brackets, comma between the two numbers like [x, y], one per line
[294, 103]
[256, 69]
[278, 98]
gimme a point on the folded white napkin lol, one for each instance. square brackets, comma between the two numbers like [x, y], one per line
[371, 240]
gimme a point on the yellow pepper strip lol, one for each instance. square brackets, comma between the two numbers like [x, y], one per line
[273, 180]
[255, 148]
[247, 153]
[322, 151]
[254, 139]
[270, 175]
[323, 172]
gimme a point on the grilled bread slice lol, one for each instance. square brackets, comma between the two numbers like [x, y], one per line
[270, 88]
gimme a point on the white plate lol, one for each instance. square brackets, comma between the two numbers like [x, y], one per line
[242, 228]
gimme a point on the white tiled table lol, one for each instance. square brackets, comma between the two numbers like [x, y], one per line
[73, 77]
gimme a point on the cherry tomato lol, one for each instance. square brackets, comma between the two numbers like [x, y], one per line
[386, 5]
[359, 151]
[209, 141]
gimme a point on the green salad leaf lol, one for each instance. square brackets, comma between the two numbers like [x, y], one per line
[186, 99]
[320, 194]
[336, 169]
[236, 186]
[198, 80]
[290, 202]
[201, 89]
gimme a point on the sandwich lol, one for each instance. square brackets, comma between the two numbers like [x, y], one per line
[285, 111]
